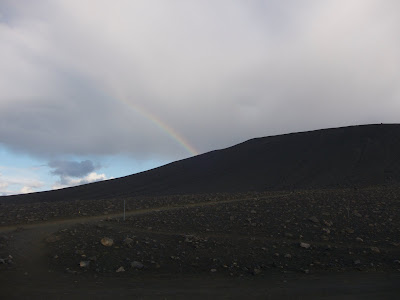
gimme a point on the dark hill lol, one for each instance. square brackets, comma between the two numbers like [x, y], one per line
[340, 157]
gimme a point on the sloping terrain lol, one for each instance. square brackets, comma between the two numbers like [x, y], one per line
[308, 215]
[355, 156]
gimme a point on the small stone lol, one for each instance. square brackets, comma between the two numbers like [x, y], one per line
[358, 239]
[375, 250]
[349, 230]
[256, 271]
[327, 230]
[84, 263]
[253, 211]
[288, 235]
[231, 218]
[305, 245]
[288, 255]
[213, 270]
[137, 265]
[120, 269]
[357, 262]
[105, 241]
[128, 241]
[313, 219]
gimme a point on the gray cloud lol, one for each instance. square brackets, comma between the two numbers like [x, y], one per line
[73, 173]
[103, 77]
[72, 168]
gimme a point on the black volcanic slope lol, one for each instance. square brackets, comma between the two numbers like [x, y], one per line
[341, 157]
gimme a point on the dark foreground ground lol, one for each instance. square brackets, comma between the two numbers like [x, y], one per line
[332, 244]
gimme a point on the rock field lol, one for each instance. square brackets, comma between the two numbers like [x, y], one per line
[239, 235]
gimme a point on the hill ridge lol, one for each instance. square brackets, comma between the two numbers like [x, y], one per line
[351, 156]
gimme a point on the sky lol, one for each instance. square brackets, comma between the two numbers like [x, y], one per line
[98, 89]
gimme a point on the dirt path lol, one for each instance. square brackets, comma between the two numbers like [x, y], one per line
[87, 219]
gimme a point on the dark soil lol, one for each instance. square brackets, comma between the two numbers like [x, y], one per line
[214, 245]
[346, 230]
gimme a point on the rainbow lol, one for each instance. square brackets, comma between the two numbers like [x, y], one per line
[162, 126]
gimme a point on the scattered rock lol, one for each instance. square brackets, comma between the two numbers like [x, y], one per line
[137, 265]
[68, 270]
[327, 230]
[358, 239]
[313, 219]
[128, 241]
[305, 245]
[349, 230]
[256, 271]
[213, 270]
[120, 269]
[325, 238]
[84, 263]
[328, 223]
[375, 250]
[105, 241]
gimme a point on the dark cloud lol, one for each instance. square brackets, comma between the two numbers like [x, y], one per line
[72, 168]
[73, 173]
[137, 77]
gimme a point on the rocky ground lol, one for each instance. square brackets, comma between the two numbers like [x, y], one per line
[307, 232]
[231, 236]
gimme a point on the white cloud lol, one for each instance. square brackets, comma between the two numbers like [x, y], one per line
[68, 181]
[18, 184]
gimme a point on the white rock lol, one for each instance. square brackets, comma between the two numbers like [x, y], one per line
[120, 269]
[305, 245]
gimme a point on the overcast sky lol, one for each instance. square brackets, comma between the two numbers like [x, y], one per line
[91, 90]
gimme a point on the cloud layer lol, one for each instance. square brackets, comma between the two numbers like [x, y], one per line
[102, 77]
